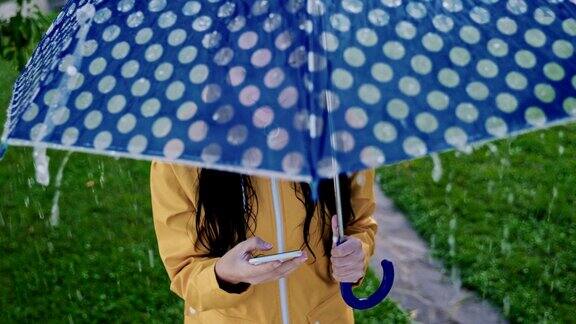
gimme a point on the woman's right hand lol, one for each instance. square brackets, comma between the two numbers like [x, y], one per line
[233, 267]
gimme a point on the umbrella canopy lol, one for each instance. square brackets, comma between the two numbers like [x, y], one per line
[255, 86]
[295, 89]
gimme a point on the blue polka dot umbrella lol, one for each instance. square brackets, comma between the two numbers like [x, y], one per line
[300, 89]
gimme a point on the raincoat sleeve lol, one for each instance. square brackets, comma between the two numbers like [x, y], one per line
[192, 276]
[364, 225]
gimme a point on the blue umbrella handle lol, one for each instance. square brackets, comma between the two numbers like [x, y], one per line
[376, 297]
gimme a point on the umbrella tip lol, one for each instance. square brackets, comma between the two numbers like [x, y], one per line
[3, 149]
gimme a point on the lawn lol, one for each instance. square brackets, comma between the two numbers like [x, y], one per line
[101, 262]
[504, 218]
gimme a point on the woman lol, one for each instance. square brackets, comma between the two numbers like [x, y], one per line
[209, 223]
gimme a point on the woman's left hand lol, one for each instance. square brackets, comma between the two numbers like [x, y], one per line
[347, 258]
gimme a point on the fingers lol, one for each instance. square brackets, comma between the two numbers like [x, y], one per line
[352, 276]
[281, 270]
[255, 243]
[352, 245]
[334, 223]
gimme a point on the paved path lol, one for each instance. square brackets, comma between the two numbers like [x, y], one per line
[421, 287]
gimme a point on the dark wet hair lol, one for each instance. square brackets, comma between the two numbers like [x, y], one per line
[230, 214]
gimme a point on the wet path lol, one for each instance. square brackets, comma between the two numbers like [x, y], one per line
[421, 287]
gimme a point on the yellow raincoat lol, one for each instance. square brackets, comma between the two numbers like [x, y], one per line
[313, 296]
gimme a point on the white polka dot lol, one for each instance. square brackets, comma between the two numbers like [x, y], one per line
[137, 144]
[535, 117]
[153, 52]
[470, 35]
[354, 56]
[569, 106]
[106, 84]
[116, 104]
[506, 102]
[382, 72]
[191, 8]
[477, 90]
[432, 42]
[544, 16]
[487, 68]
[126, 123]
[284, 40]
[535, 37]
[164, 71]
[70, 136]
[525, 59]
[252, 158]
[161, 127]
[378, 17]
[173, 149]
[563, 49]
[177, 37]
[356, 117]
[516, 81]
[569, 26]
[288, 97]
[263, 117]
[156, 5]
[438, 100]
[369, 94]
[507, 26]
[371, 156]
[545, 92]
[60, 116]
[30, 113]
[175, 90]
[443, 23]
[353, 6]
[130, 69]
[187, 54]
[224, 56]
[409, 86]
[93, 119]
[83, 100]
[449, 78]
[237, 135]
[292, 163]
[328, 41]
[236, 75]
[342, 141]
[497, 47]
[460, 56]
[120, 50]
[340, 22]
[421, 64]
[150, 107]
[110, 33]
[186, 111]
[197, 131]
[366, 37]
[223, 114]
[277, 139]
[143, 36]
[140, 87]
[467, 112]
[456, 137]
[211, 153]
[211, 93]
[167, 19]
[397, 108]
[103, 140]
[554, 71]
[249, 95]
[385, 132]
[394, 50]
[97, 66]
[426, 122]
[202, 23]
[414, 146]
[496, 126]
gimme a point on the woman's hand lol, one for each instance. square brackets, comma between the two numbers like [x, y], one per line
[233, 267]
[347, 258]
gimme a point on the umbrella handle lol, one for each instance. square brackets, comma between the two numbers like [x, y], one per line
[376, 297]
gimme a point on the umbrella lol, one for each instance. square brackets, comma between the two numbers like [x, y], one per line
[294, 89]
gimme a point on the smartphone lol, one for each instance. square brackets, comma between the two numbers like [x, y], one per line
[285, 256]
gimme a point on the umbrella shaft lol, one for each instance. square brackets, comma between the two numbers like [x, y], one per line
[339, 208]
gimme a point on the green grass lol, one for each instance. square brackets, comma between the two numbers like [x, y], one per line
[505, 217]
[101, 262]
